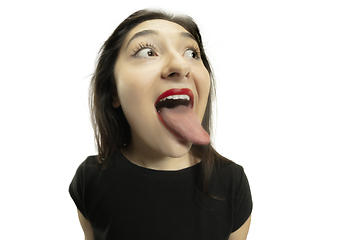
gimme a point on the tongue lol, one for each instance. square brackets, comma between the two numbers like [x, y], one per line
[183, 121]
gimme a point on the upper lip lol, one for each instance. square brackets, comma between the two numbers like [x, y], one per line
[177, 91]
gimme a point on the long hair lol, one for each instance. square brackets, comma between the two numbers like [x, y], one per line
[112, 131]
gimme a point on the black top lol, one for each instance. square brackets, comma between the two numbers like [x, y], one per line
[126, 201]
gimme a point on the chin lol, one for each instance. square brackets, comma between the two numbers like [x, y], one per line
[178, 149]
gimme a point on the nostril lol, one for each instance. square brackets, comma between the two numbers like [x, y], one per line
[172, 74]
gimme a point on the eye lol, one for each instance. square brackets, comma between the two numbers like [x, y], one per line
[146, 52]
[192, 53]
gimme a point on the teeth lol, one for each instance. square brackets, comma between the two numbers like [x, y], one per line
[176, 97]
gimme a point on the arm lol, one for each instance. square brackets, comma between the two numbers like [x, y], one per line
[242, 232]
[86, 226]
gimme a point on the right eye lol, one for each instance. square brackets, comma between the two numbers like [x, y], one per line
[146, 52]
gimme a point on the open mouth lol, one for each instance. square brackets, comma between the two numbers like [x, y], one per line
[175, 97]
[175, 110]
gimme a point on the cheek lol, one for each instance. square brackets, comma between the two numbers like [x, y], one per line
[134, 90]
[203, 89]
[130, 94]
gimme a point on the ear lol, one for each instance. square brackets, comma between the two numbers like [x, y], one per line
[116, 101]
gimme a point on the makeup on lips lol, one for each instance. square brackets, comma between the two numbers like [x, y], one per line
[175, 111]
[174, 97]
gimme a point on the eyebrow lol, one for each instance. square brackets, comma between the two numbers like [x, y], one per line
[154, 32]
[142, 33]
[188, 35]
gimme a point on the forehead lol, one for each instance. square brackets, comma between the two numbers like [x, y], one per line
[164, 27]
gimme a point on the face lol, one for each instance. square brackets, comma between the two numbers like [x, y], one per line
[157, 56]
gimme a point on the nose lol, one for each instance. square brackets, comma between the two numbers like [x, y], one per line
[176, 67]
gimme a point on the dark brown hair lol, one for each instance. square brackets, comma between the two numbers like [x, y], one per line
[112, 131]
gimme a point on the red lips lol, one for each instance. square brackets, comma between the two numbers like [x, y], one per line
[177, 91]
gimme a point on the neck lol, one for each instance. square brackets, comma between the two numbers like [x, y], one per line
[157, 161]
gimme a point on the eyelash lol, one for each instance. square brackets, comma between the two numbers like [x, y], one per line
[196, 51]
[142, 46]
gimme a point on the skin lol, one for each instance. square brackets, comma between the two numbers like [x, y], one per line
[86, 226]
[242, 232]
[170, 62]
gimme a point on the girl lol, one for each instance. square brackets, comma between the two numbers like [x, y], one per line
[156, 175]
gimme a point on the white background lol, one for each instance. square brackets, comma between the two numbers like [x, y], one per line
[288, 77]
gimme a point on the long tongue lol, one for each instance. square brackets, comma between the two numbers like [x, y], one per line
[183, 121]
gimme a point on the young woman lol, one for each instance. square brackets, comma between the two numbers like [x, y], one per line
[156, 175]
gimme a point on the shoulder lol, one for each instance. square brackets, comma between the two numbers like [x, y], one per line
[231, 183]
[232, 167]
[229, 171]
[88, 170]
[229, 179]
[90, 161]
[85, 175]
[90, 164]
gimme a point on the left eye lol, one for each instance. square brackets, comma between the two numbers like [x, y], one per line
[146, 52]
[191, 54]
